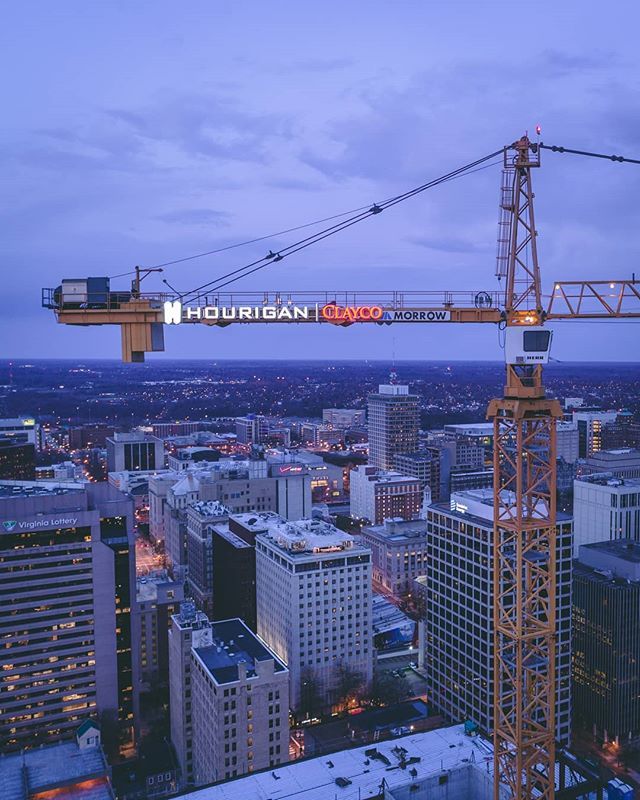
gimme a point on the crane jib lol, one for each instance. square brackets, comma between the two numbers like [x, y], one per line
[176, 313]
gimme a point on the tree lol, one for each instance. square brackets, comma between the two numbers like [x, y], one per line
[388, 690]
[349, 683]
[310, 704]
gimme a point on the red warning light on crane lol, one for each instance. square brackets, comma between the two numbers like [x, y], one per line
[538, 130]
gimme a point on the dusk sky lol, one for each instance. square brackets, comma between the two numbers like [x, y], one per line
[139, 132]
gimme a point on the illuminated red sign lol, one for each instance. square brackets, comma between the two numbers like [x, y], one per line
[333, 313]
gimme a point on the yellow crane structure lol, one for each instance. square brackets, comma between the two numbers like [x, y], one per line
[524, 420]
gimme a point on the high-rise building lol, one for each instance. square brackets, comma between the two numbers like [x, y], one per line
[234, 574]
[22, 429]
[377, 495]
[17, 459]
[134, 451]
[423, 465]
[252, 429]
[241, 486]
[190, 628]
[394, 422]
[313, 593]
[240, 692]
[344, 417]
[567, 441]
[158, 598]
[623, 433]
[398, 554]
[459, 611]
[201, 517]
[590, 423]
[606, 640]
[67, 576]
[605, 507]
[468, 438]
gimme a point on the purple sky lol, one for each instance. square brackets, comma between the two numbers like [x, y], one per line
[135, 133]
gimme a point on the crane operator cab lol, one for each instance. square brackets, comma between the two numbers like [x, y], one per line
[527, 346]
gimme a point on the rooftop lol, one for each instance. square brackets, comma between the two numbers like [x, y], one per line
[402, 762]
[308, 536]
[398, 530]
[234, 644]
[209, 508]
[147, 585]
[478, 504]
[624, 549]
[58, 766]
[38, 488]
[610, 480]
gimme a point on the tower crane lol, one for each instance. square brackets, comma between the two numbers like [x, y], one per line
[524, 425]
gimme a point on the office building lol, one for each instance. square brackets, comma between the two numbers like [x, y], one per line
[464, 478]
[67, 578]
[189, 628]
[240, 692]
[377, 495]
[134, 451]
[313, 594]
[344, 417]
[234, 574]
[423, 465]
[22, 430]
[17, 459]
[590, 423]
[623, 433]
[469, 436]
[64, 471]
[201, 517]
[252, 429]
[459, 613]
[394, 422]
[84, 437]
[606, 641]
[567, 441]
[74, 770]
[605, 507]
[315, 434]
[159, 484]
[165, 429]
[187, 457]
[158, 598]
[398, 554]
[621, 463]
[241, 486]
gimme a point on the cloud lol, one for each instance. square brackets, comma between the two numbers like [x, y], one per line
[450, 244]
[195, 216]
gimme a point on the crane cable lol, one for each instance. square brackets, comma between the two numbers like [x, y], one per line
[373, 210]
[557, 149]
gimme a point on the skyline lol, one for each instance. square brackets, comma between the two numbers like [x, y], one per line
[226, 123]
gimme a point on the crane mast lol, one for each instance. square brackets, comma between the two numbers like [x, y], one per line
[524, 426]
[524, 506]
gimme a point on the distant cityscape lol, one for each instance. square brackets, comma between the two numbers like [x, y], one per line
[214, 570]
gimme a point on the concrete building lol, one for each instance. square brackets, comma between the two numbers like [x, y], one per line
[67, 578]
[568, 441]
[134, 451]
[606, 641]
[459, 611]
[252, 429]
[17, 459]
[187, 457]
[241, 705]
[445, 764]
[398, 554]
[465, 478]
[158, 598]
[165, 429]
[21, 430]
[201, 517]
[621, 463]
[344, 417]
[190, 628]
[241, 486]
[605, 507]
[377, 495]
[425, 465]
[75, 770]
[316, 434]
[590, 423]
[469, 436]
[394, 422]
[313, 592]
[64, 471]
[234, 575]
[623, 433]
